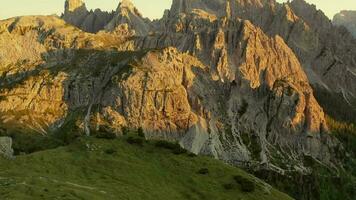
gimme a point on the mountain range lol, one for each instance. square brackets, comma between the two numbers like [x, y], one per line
[249, 82]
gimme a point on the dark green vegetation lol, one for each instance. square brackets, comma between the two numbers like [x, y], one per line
[92, 168]
[341, 119]
[345, 183]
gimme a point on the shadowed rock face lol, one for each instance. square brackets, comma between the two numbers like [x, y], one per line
[76, 13]
[346, 18]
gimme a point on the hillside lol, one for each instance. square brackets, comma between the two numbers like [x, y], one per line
[97, 169]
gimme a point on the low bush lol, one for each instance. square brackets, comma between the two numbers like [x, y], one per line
[106, 135]
[246, 184]
[166, 144]
[228, 186]
[193, 155]
[178, 151]
[30, 143]
[140, 132]
[174, 147]
[125, 130]
[135, 140]
[110, 151]
[203, 171]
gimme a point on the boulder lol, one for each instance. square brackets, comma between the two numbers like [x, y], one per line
[6, 147]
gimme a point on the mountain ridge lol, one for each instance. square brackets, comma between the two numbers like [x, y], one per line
[210, 75]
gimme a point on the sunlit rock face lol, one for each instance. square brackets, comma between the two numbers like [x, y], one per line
[346, 18]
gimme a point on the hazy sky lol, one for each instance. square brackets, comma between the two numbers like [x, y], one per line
[149, 8]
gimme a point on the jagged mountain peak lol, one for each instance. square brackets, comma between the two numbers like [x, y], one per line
[72, 5]
[346, 18]
[126, 6]
[128, 15]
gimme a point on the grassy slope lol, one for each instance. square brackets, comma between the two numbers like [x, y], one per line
[87, 169]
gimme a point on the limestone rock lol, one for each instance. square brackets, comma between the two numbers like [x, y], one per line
[76, 13]
[6, 147]
[127, 13]
[346, 18]
[230, 85]
[327, 53]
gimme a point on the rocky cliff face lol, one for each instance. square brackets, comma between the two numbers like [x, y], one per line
[346, 18]
[236, 94]
[327, 53]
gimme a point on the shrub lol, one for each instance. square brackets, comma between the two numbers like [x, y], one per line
[125, 130]
[140, 132]
[106, 135]
[135, 140]
[110, 151]
[165, 144]
[179, 151]
[246, 184]
[174, 147]
[192, 155]
[203, 171]
[228, 186]
[29, 143]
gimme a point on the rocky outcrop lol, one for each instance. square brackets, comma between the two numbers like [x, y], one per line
[6, 147]
[127, 13]
[327, 53]
[346, 18]
[76, 13]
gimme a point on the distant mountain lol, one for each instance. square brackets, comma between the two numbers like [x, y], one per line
[346, 18]
[77, 14]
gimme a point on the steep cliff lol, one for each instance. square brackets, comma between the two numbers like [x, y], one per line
[237, 96]
[326, 52]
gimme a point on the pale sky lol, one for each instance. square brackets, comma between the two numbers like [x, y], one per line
[149, 8]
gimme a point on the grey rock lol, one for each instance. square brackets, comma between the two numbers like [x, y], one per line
[6, 147]
[346, 18]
